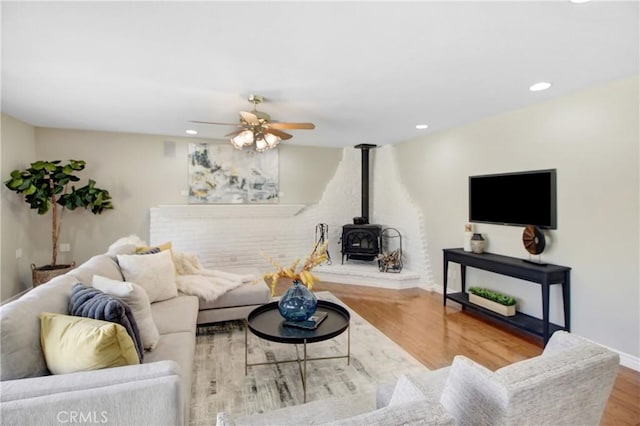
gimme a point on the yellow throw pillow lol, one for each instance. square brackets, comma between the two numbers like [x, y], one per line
[71, 344]
[160, 247]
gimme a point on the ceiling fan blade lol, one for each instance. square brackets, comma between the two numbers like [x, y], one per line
[282, 135]
[212, 122]
[291, 126]
[249, 117]
[234, 133]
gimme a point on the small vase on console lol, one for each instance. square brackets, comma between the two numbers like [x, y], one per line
[298, 303]
[477, 243]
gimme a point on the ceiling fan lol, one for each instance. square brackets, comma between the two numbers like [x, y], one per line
[257, 127]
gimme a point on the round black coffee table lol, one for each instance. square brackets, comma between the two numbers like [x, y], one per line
[266, 322]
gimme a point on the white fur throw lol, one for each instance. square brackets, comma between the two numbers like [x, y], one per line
[125, 245]
[207, 284]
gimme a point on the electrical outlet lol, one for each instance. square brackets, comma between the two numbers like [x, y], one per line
[18, 253]
[184, 192]
[65, 247]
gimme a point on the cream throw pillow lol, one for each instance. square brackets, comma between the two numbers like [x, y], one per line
[71, 344]
[155, 273]
[136, 297]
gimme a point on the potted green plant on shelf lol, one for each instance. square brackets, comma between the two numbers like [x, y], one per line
[45, 187]
[492, 300]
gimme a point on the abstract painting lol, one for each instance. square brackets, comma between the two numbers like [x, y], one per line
[221, 174]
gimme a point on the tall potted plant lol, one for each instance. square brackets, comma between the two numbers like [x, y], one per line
[45, 187]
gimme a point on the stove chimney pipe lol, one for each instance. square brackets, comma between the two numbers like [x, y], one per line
[364, 219]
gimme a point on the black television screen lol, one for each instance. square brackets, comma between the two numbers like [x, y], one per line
[520, 199]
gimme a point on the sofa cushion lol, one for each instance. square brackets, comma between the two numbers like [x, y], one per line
[176, 315]
[98, 265]
[20, 327]
[431, 383]
[415, 413]
[405, 391]
[180, 348]
[472, 395]
[244, 295]
[134, 296]
[153, 272]
[72, 343]
[92, 303]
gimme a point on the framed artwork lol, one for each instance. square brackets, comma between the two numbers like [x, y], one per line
[221, 174]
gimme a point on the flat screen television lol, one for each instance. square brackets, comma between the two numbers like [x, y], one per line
[518, 199]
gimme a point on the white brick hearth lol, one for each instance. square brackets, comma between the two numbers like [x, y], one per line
[233, 236]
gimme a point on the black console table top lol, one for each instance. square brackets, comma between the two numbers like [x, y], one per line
[545, 275]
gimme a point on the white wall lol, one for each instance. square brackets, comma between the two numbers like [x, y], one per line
[592, 139]
[18, 147]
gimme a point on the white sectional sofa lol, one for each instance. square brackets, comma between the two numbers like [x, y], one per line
[156, 392]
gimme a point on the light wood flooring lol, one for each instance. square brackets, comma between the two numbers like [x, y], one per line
[416, 320]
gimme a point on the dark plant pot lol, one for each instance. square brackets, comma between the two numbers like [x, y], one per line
[42, 274]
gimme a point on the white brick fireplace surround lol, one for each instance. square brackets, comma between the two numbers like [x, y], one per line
[233, 236]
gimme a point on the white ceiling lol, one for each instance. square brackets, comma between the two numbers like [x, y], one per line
[363, 72]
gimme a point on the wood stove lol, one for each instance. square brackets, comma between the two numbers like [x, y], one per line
[361, 241]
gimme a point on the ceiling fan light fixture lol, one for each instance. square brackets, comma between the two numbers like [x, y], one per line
[261, 144]
[255, 127]
[242, 139]
[272, 140]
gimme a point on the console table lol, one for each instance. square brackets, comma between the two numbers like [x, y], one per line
[545, 275]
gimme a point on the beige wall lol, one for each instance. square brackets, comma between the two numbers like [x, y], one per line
[138, 175]
[591, 138]
[18, 147]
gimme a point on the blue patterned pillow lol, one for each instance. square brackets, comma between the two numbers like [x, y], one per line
[90, 302]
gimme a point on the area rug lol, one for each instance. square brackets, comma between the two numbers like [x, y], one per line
[220, 383]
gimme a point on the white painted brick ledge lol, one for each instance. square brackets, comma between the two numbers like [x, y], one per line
[231, 211]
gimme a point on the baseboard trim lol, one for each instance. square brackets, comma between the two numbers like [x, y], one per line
[627, 360]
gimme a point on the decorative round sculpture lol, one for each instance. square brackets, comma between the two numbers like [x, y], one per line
[298, 303]
[533, 239]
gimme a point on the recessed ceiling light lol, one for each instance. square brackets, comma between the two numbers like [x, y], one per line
[543, 85]
[421, 126]
[579, 1]
[191, 132]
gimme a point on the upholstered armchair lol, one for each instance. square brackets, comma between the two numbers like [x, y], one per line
[568, 384]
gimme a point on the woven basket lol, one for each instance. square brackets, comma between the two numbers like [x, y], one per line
[45, 273]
